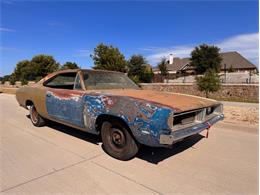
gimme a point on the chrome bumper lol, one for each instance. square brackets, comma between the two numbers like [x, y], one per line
[186, 132]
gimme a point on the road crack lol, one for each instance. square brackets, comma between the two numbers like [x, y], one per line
[125, 177]
[51, 173]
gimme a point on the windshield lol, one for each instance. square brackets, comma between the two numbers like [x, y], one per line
[107, 80]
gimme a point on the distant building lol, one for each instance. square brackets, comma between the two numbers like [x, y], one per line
[229, 59]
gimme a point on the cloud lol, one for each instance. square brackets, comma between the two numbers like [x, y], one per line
[82, 53]
[178, 51]
[6, 29]
[245, 44]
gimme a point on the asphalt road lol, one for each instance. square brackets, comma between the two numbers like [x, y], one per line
[58, 159]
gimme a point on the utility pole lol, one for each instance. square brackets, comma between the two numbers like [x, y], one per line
[250, 74]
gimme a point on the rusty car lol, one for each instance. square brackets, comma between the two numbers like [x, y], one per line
[111, 105]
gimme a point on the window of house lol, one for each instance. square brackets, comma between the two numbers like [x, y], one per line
[62, 81]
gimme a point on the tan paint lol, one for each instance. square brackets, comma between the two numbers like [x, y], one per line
[37, 93]
[173, 100]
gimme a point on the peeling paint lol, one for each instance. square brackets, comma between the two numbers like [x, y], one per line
[148, 114]
[82, 109]
[65, 106]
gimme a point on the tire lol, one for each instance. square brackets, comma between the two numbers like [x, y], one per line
[117, 141]
[36, 119]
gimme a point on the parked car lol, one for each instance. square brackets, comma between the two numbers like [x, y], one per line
[110, 104]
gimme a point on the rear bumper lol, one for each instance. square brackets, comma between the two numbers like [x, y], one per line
[186, 132]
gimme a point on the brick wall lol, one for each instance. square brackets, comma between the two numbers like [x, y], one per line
[231, 92]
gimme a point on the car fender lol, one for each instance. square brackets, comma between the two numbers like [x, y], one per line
[146, 120]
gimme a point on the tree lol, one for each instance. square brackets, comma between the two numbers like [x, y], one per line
[139, 70]
[69, 65]
[24, 81]
[162, 66]
[12, 79]
[146, 74]
[135, 64]
[38, 67]
[24, 71]
[209, 82]
[206, 57]
[44, 64]
[107, 57]
[5, 78]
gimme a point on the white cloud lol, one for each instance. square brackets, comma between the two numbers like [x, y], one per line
[82, 53]
[6, 29]
[246, 44]
[178, 51]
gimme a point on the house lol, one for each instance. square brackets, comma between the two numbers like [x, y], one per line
[230, 60]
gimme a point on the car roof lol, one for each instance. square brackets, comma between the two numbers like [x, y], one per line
[84, 70]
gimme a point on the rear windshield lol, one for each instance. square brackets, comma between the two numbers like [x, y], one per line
[108, 80]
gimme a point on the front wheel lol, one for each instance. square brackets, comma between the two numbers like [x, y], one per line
[36, 119]
[117, 141]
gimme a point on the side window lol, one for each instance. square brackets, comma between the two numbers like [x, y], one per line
[62, 81]
[77, 84]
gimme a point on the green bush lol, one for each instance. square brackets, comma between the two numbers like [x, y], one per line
[24, 82]
[209, 82]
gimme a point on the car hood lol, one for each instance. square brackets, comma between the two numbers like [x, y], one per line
[176, 101]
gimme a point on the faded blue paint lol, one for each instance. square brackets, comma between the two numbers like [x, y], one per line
[65, 109]
[146, 120]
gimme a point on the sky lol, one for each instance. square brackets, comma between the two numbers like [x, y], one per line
[70, 30]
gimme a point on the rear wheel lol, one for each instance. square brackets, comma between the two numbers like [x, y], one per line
[117, 141]
[36, 119]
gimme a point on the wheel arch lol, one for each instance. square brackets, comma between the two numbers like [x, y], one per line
[28, 102]
[108, 117]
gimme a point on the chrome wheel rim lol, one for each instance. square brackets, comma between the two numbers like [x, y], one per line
[34, 115]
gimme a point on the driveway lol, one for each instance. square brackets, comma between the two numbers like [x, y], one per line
[58, 159]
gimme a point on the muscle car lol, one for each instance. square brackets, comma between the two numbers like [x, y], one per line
[109, 104]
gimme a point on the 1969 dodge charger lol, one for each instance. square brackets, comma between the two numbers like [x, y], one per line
[110, 104]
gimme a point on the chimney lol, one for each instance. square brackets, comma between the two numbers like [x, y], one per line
[171, 59]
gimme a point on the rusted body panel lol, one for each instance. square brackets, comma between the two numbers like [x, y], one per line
[145, 120]
[148, 114]
[65, 105]
[81, 109]
[178, 102]
[35, 94]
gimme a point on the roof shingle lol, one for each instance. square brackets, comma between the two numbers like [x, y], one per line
[234, 59]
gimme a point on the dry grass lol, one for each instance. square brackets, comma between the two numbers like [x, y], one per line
[242, 114]
[8, 90]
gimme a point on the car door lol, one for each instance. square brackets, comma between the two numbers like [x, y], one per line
[64, 98]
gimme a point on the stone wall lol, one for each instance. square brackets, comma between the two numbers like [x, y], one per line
[229, 92]
[17, 84]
